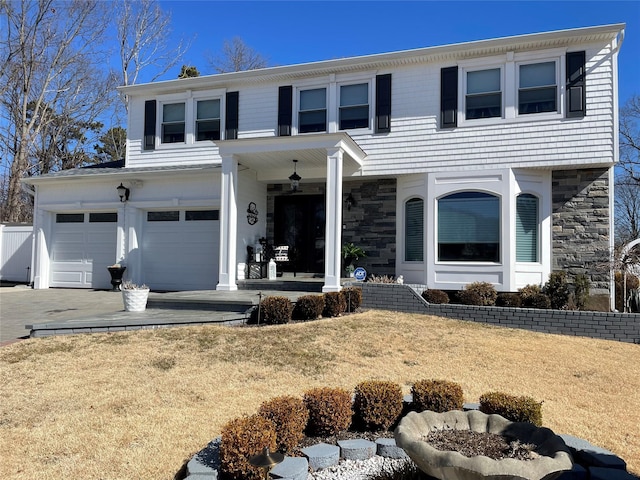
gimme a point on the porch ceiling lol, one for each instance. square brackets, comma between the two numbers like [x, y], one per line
[272, 157]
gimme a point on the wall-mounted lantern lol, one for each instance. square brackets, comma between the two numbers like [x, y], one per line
[123, 192]
[350, 201]
[294, 178]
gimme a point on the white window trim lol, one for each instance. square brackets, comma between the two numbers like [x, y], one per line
[538, 227]
[203, 96]
[559, 86]
[295, 124]
[369, 129]
[462, 95]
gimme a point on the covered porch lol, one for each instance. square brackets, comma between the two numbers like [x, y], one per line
[326, 158]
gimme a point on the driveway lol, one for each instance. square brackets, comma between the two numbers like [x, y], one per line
[22, 305]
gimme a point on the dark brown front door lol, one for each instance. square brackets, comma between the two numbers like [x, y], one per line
[299, 223]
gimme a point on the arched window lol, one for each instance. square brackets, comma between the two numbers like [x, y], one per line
[527, 249]
[414, 230]
[469, 227]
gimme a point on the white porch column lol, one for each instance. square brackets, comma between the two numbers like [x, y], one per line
[228, 224]
[333, 219]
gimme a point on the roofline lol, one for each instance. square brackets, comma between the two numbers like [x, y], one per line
[380, 60]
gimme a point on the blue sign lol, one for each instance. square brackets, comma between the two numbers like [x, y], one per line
[360, 274]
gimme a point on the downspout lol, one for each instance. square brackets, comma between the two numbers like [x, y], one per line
[616, 158]
[32, 192]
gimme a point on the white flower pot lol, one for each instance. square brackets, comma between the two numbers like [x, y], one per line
[135, 300]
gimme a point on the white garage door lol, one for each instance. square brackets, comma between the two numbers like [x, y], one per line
[83, 246]
[180, 249]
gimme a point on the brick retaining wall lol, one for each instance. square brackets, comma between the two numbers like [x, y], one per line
[624, 327]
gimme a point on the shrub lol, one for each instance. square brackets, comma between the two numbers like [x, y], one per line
[508, 299]
[468, 297]
[381, 279]
[529, 291]
[334, 304]
[308, 307]
[485, 291]
[437, 395]
[330, 410]
[516, 409]
[289, 416]
[276, 310]
[557, 289]
[377, 404]
[632, 284]
[352, 298]
[539, 300]
[242, 438]
[581, 290]
[435, 296]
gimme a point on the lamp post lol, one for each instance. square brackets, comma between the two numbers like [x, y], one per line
[266, 460]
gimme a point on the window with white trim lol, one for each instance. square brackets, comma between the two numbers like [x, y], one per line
[207, 120]
[527, 248]
[537, 88]
[312, 113]
[483, 97]
[354, 106]
[173, 125]
[469, 227]
[414, 230]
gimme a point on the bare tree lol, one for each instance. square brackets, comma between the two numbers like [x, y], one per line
[236, 56]
[52, 76]
[630, 138]
[627, 209]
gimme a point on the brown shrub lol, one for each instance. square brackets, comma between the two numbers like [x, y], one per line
[514, 408]
[435, 296]
[377, 404]
[289, 416]
[330, 410]
[334, 304]
[485, 291]
[352, 298]
[437, 395]
[509, 299]
[308, 307]
[468, 297]
[275, 310]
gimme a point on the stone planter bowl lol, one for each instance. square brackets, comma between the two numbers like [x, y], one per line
[450, 465]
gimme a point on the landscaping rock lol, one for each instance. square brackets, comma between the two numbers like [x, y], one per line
[357, 449]
[205, 463]
[589, 455]
[292, 468]
[322, 455]
[386, 447]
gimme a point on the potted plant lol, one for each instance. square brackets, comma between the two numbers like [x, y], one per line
[134, 296]
[350, 254]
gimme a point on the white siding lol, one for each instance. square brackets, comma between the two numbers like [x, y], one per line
[15, 252]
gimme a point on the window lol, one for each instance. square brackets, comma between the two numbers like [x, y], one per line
[484, 94]
[414, 230]
[537, 90]
[208, 120]
[469, 227]
[354, 106]
[198, 215]
[313, 110]
[69, 217]
[168, 216]
[107, 217]
[173, 123]
[526, 228]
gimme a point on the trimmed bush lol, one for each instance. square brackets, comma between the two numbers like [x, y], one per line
[539, 300]
[308, 307]
[275, 310]
[437, 395]
[557, 289]
[241, 439]
[289, 416]
[485, 291]
[334, 304]
[330, 410]
[377, 404]
[529, 291]
[352, 298]
[508, 299]
[435, 296]
[514, 408]
[468, 297]
[581, 287]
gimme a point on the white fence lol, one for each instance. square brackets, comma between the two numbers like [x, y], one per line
[15, 252]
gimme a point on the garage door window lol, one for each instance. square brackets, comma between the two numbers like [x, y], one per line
[169, 216]
[69, 217]
[106, 217]
[198, 215]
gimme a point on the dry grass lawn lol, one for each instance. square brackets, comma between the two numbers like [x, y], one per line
[136, 405]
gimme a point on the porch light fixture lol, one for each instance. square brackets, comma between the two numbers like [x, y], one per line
[351, 202]
[123, 192]
[294, 178]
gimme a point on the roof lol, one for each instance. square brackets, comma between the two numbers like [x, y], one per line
[452, 52]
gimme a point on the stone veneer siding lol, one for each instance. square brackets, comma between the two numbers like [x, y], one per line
[624, 327]
[580, 234]
[370, 224]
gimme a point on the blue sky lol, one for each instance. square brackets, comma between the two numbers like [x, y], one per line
[289, 32]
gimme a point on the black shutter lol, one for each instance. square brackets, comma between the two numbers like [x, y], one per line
[449, 97]
[231, 116]
[285, 112]
[149, 125]
[576, 99]
[383, 103]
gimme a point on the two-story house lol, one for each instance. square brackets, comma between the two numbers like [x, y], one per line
[483, 161]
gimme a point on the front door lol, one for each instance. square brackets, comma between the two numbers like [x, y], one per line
[299, 223]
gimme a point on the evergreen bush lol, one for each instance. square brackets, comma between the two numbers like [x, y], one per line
[330, 410]
[352, 298]
[308, 307]
[289, 416]
[514, 408]
[435, 296]
[275, 310]
[334, 304]
[437, 395]
[377, 404]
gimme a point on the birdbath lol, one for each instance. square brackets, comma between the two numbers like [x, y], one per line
[551, 460]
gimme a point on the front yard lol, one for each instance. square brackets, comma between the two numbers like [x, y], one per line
[138, 404]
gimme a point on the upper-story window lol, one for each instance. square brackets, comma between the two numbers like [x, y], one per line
[208, 120]
[354, 106]
[537, 88]
[484, 94]
[173, 123]
[312, 115]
